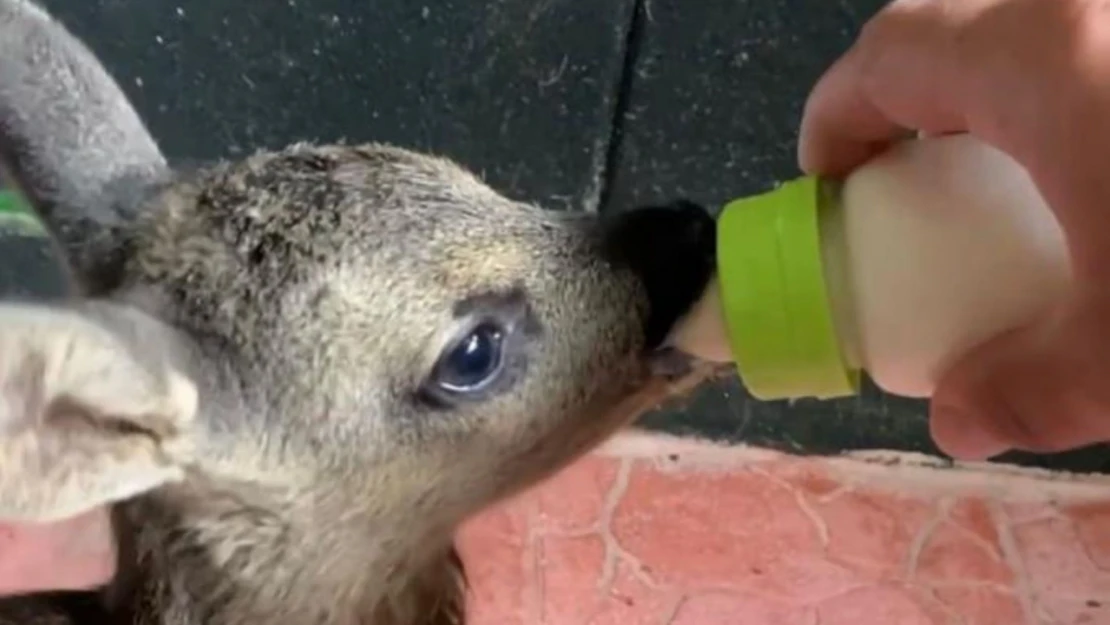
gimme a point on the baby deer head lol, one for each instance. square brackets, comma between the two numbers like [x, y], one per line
[296, 374]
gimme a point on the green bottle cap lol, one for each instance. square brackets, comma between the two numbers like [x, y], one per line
[775, 297]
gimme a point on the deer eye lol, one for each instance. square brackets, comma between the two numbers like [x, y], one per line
[473, 362]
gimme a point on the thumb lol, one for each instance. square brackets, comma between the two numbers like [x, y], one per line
[1040, 389]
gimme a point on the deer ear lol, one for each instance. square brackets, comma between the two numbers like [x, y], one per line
[84, 419]
[71, 142]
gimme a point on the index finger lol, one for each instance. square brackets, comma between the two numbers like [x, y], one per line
[841, 125]
[898, 78]
[78, 553]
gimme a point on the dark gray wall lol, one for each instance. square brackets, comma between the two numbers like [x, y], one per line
[520, 90]
[576, 104]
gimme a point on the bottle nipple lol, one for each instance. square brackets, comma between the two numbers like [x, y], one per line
[702, 333]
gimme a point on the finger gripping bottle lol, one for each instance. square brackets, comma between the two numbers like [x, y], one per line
[897, 271]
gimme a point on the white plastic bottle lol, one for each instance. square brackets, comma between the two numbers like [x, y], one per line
[916, 257]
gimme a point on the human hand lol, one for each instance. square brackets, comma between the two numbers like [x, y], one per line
[73, 554]
[1032, 78]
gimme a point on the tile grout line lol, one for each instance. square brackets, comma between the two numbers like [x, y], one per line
[941, 510]
[1007, 543]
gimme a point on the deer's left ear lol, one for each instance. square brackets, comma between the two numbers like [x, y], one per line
[86, 418]
[71, 142]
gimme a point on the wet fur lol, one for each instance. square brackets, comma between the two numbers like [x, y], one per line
[307, 293]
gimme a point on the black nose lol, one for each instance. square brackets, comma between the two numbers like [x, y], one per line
[672, 247]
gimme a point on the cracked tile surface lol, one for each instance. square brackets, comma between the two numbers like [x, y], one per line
[782, 541]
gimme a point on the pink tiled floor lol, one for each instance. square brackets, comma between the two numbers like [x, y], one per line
[785, 541]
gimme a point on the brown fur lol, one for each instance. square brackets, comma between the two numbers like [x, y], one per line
[249, 374]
